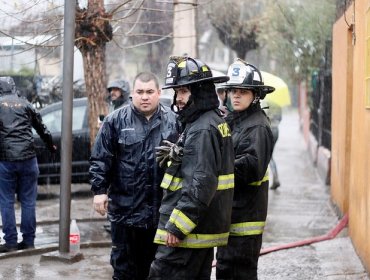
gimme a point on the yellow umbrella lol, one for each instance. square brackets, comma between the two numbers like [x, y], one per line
[281, 95]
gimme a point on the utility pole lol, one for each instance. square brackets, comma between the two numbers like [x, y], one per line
[184, 34]
[64, 254]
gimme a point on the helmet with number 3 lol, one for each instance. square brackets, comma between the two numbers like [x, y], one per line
[183, 71]
[247, 76]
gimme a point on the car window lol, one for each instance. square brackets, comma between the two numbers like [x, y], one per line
[53, 120]
[78, 117]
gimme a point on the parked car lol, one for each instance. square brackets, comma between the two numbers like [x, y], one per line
[49, 165]
[52, 117]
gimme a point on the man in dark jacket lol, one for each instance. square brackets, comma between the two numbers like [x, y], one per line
[198, 189]
[253, 144]
[18, 166]
[119, 94]
[125, 177]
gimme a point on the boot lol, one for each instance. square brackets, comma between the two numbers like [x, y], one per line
[5, 248]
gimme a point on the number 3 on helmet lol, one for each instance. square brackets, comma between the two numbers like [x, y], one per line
[246, 76]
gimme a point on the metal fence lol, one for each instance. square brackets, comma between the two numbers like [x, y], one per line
[320, 101]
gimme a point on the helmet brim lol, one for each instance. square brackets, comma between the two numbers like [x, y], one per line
[264, 88]
[216, 80]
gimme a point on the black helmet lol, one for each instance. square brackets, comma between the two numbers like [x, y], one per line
[184, 71]
[123, 85]
[245, 75]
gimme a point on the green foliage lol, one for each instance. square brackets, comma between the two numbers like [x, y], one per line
[24, 71]
[296, 32]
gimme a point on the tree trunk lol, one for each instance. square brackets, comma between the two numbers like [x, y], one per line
[241, 53]
[93, 31]
[96, 81]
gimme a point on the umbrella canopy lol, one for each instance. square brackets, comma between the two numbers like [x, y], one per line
[281, 95]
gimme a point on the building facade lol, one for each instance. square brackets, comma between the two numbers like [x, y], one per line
[350, 152]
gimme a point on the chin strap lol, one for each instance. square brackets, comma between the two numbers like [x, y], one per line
[256, 99]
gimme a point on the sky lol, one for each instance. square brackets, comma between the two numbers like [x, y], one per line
[11, 12]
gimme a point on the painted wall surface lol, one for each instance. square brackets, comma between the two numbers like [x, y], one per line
[341, 113]
[351, 127]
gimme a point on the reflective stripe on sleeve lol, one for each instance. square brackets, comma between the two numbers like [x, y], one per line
[173, 183]
[259, 183]
[225, 182]
[195, 240]
[182, 222]
[247, 228]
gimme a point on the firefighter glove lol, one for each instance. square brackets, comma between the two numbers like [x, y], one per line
[168, 152]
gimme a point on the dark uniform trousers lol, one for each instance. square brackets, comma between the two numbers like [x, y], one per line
[181, 264]
[239, 260]
[132, 252]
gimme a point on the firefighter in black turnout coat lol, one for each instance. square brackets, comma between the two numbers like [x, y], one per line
[196, 208]
[253, 144]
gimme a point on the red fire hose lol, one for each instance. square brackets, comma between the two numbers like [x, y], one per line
[330, 235]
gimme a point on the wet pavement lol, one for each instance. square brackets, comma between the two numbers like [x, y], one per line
[300, 209]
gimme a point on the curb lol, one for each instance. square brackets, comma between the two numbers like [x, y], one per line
[52, 247]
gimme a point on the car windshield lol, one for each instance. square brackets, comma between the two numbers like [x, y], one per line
[53, 120]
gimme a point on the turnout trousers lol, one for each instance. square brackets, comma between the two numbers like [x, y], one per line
[181, 264]
[239, 259]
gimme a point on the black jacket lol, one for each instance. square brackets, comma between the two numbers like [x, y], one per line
[123, 164]
[17, 117]
[253, 144]
[196, 206]
[123, 100]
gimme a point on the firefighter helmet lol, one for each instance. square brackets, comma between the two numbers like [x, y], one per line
[184, 71]
[245, 75]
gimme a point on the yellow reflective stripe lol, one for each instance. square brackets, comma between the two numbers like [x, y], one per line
[195, 240]
[205, 68]
[225, 182]
[259, 183]
[182, 64]
[224, 130]
[182, 222]
[171, 183]
[247, 228]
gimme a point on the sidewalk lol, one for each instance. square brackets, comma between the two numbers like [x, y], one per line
[298, 210]
[301, 209]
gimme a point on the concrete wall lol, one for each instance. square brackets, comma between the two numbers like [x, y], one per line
[350, 170]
